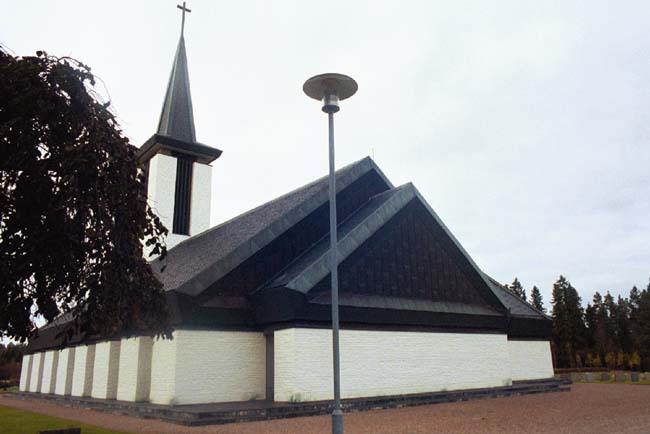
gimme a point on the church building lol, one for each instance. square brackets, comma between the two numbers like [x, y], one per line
[250, 297]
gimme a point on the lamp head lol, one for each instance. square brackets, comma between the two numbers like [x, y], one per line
[330, 89]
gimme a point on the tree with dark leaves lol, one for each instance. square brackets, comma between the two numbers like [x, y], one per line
[73, 208]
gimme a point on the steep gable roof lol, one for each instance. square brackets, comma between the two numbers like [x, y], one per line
[312, 267]
[196, 263]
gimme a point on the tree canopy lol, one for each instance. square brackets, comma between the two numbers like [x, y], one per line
[517, 289]
[73, 207]
[536, 299]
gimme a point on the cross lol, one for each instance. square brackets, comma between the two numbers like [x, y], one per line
[184, 9]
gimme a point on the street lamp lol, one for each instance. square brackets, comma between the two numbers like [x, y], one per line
[330, 89]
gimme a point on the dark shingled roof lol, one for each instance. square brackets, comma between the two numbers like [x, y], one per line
[194, 264]
[516, 305]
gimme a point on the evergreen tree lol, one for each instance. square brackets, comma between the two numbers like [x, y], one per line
[599, 321]
[623, 333]
[536, 299]
[517, 289]
[568, 322]
[590, 327]
[611, 313]
[642, 328]
[635, 297]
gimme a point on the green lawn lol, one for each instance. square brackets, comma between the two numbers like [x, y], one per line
[14, 421]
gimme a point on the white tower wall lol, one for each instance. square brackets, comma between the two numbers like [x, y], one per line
[162, 189]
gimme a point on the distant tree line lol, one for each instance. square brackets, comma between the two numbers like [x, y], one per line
[609, 332]
[10, 358]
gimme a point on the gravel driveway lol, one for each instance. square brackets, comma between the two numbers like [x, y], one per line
[588, 409]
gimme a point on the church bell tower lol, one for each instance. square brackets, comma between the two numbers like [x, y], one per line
[179, 175]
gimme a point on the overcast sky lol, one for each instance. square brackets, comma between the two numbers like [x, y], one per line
[526, 125]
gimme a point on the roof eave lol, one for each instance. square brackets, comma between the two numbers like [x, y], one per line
[161, 144]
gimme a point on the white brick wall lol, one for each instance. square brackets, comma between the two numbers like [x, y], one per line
[64, 372]
[135, 369]
[376, 363]
[105, 370]
[208, 366]
[163, 370]
[201, 198]
[530, 360]
[37, 372]
[50, 364]
[82, 376]
[25, 373]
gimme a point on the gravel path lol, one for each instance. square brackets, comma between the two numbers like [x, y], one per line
[588, 409]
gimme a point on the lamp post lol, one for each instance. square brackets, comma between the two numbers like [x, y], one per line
[330, 89]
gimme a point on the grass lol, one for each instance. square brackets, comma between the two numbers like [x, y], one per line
[14, 421]
[11, 389]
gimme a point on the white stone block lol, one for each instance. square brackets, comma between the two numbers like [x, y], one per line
[50, 364]
[105, 371]
[64, 372]
[380, 363]
[530, 360]
[200, 366]
[25, 373]
[37, 373]
[134, 378]
[82, 377]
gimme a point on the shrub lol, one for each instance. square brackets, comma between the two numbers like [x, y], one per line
[610, 360]
[635, 361]
[621, 360]
[597, 363]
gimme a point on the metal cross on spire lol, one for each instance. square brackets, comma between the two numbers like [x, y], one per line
[184, 9]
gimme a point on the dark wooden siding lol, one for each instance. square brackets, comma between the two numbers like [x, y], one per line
[408, 257]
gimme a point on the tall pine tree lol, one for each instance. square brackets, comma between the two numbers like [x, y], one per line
[536, 299]
[642, 328]
[568, 322]
[517, 289]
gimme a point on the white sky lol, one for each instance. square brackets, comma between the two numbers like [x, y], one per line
[526, 125]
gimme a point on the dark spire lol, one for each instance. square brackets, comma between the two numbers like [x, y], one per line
[176, 127]
[176, 118]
